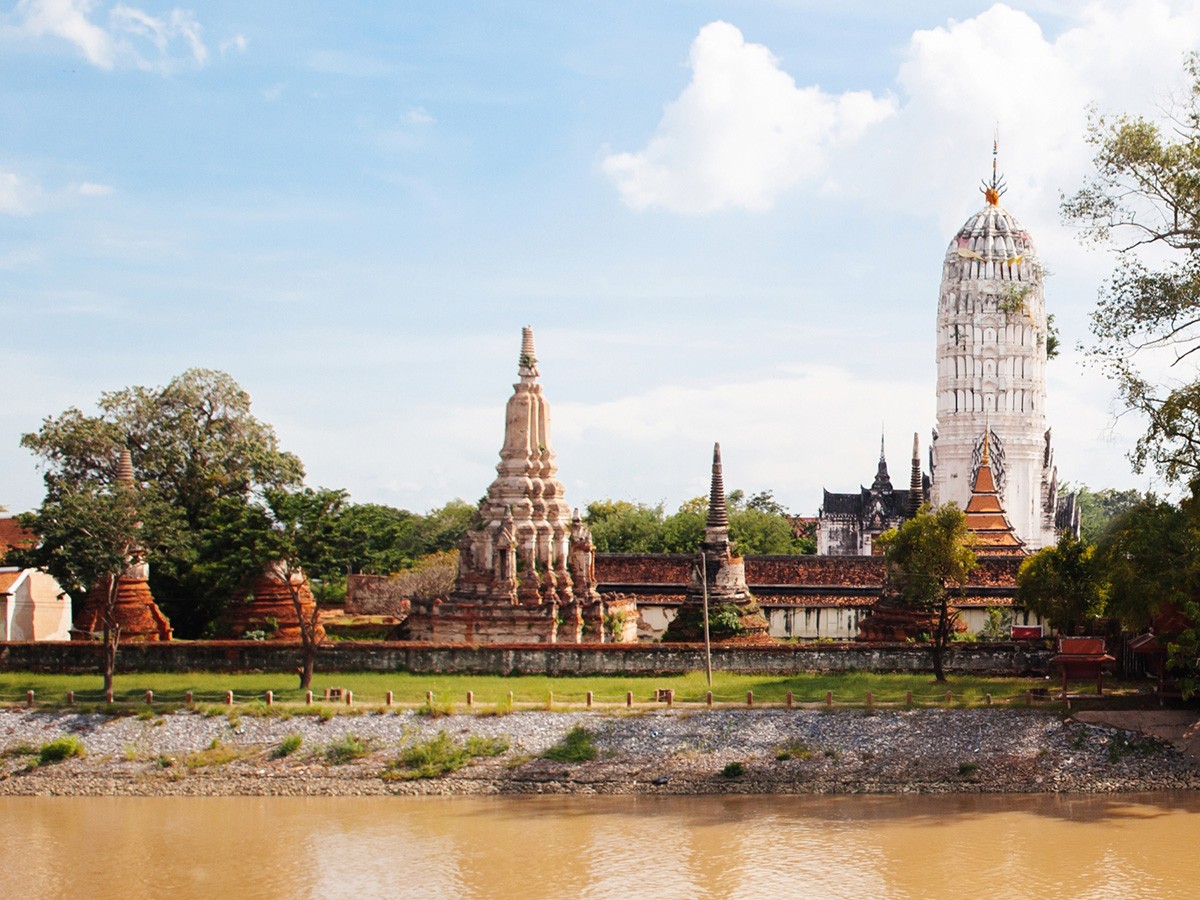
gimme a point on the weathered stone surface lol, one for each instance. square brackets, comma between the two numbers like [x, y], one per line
[271, 609]
[526, 568]
[135, 613]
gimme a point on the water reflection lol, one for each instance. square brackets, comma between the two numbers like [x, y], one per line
[607, 847]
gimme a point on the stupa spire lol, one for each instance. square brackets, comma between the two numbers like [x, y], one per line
[718, 515]
[125, 468]
[916, 483]
[527, 365]
[994, 189]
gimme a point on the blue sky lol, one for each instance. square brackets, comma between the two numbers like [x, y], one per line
[725, 221]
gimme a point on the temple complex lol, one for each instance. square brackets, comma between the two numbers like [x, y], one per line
[134, 612]
[526, 566]
[992, 335]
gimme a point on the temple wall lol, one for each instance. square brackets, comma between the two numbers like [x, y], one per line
[1015, 658]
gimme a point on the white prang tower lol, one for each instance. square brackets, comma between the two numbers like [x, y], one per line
[991, 371]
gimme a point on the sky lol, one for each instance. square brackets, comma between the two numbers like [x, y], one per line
[724, 221]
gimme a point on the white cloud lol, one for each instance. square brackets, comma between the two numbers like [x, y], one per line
[274, 92]
[131, 37]
[418, 116]
[18, 196]
[235, 44]
[740, 133]
[91, 189]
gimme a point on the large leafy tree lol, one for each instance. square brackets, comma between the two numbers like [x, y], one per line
[1144, 201]
[929, 560]
[1097, 509]
[295, 533]
[90, 535]
[1150, 557]
[196, 441]
[1063, 584]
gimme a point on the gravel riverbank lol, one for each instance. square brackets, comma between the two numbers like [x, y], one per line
[663, 751]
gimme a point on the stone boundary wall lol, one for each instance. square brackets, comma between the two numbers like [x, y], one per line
[1016, 658]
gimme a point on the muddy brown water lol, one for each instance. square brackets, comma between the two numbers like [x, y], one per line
[602, 847]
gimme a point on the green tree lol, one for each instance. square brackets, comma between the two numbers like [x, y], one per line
[195, 440]
[1150, 556]
[1144, 200]
[1097, 509]
[441, 529]
[929, 559]
[296, 533]
[90, 535]
[1063, 584]
[378, 539]
[619, 526]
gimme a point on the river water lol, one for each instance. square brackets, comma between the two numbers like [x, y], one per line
[602, 847]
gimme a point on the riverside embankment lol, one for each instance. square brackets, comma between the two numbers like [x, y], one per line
[672, 751]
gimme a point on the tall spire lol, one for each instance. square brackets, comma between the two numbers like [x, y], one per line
[718, 516]
[916, 483]
[125, 468]
[527, 365]
[992, 190]
[883, 481]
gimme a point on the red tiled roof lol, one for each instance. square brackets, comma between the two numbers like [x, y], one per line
[13, 535]
[8, 579]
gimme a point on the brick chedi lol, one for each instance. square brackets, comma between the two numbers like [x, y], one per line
[135, 613]
[270, 608]
[526, 565]
[723, 580]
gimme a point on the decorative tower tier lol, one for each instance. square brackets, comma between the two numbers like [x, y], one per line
[526, 566]
[991, 366]
[991, 532]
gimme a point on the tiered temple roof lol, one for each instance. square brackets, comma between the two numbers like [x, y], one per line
[990, 529]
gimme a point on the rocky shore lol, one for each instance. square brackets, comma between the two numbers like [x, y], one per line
[676, 751]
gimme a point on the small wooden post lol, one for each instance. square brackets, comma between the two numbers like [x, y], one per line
[670, 696]
[470, 698]
[149, 697]
[70, 698]
[870, 698]
[829, 698]
[1029, 698]
[308, 698]
[908, 698]
[388, 699]
[589, 699]
[789, 699]
[708, 698]
[270, 698]
[429, 698]
[749, 698]
[349, 698]
[29, 698]
[629, 699]
[988, 698]
[187, 698]
[510, 699]
[229, 698]
[949, 697]
[549, 699]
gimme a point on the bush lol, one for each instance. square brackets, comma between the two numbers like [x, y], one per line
[60, 749]
[349, 748]
[288, 746]
[733, 770]
[576, 746]
[442, 755]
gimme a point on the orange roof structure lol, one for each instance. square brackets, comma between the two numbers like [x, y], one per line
[12, 535]
[991, 532]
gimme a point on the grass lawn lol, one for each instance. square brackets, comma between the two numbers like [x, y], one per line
[370, 688]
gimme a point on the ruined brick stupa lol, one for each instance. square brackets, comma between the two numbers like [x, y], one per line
[135, 613]
[269, 612]
[733, 612]
[526, 566]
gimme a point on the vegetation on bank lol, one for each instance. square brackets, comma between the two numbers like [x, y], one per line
[490, 693]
